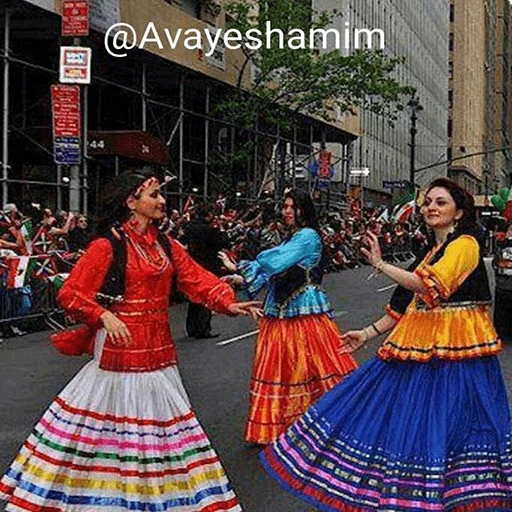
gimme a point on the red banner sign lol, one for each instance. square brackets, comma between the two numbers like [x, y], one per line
[66, 111]
[75, 18]
[324, 165]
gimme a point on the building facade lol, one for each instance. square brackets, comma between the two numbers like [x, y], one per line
[154, 107]
[417, 31]
[479, 95]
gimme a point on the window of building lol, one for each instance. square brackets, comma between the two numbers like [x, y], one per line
[452, 13]
[192, 7]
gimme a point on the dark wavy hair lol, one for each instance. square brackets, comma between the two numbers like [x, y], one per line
[465, 202]
[305, 211]
[112, 208]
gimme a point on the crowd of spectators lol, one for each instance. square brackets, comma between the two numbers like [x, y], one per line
[53, 241]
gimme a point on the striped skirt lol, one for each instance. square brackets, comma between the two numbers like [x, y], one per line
[118, 441]
[403, 437]
[295, 363]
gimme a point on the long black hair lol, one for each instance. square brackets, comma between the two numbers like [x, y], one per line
[305, 211]
[112, 208]
[465, 202]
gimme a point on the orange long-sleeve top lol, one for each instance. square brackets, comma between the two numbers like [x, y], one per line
[145, 305]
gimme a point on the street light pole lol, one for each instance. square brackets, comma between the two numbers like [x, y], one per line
[414, 107]
[486, 186]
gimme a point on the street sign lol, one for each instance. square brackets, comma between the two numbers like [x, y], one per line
[75, 65]
[75, 18]
[66, 123]
[67, 150]
[395, 184]
[323, 184]
[363, 171]
[66, 110]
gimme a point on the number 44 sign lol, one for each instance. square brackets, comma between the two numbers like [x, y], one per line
[97, 144]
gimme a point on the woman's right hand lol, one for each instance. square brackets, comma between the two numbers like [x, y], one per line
[233, 280]
[352, 341]
[117, 329]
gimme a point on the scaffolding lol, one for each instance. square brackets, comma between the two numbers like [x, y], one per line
[142, 93]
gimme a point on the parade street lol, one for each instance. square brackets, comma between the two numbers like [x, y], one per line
[216, 375]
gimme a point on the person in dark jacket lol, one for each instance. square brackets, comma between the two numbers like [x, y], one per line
[204, 242]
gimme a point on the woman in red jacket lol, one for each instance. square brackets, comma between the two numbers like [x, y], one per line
[122, 434]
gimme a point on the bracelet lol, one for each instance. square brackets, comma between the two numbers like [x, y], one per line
[374, 327]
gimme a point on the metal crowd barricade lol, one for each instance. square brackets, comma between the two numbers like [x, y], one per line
[37, 299]
[398, 253]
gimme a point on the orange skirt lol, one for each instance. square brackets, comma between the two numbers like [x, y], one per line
[295, 363]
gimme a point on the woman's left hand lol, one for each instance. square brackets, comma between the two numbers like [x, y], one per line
[373, 254]
[251, 308]
[227, 261]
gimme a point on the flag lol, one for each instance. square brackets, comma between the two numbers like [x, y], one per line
[27, 233]
[384, 216]
[58, 280]
[19, 271]
[42, 241]
[355, 208]
[402, 212]
[44, 267]
[406, 195]
[5, 219]
[404, 204]
[189, 204]
[221, 203]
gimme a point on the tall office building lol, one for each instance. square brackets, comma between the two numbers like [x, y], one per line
[479, 94]
[419, 32]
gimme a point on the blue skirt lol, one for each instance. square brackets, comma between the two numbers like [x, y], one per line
[403, 436]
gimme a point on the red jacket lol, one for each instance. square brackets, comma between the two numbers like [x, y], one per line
[145, 308]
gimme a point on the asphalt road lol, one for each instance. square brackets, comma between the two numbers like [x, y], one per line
[216, 375]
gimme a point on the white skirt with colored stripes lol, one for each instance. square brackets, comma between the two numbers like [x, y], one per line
[116, 441]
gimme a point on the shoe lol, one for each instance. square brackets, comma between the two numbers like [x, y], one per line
[207, 336]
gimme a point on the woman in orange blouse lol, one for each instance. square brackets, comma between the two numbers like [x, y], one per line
[122, 434]
[424, 425]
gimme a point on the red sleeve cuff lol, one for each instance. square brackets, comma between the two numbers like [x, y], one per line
[220, 297]
[434, 290]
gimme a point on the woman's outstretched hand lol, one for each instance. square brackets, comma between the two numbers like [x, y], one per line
[251, 308]
[352, 341]
[227, 261]
[373, 253]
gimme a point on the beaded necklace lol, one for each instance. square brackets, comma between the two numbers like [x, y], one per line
[159, 263]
